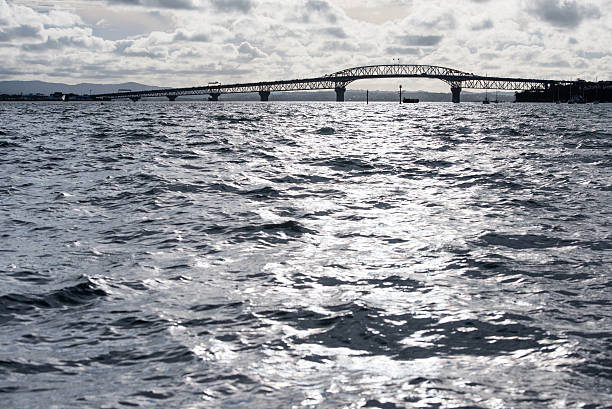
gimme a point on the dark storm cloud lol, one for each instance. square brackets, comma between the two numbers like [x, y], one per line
[417, 40]
[166, 4]
[232, 5]
[564, 13]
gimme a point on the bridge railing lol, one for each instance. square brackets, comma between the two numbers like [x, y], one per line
[339, 80]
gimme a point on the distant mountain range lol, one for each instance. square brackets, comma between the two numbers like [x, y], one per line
[47, 88]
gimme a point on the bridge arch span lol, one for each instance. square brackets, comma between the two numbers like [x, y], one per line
[338, 81]
[399, 70]
[451, 76]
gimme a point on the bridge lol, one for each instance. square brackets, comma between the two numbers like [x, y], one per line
[338, 81]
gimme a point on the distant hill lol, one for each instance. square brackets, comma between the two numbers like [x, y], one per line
[47, 88]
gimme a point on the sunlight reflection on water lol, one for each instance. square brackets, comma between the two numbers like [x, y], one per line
[306, 255]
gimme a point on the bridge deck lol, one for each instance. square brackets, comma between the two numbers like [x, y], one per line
[339, 80]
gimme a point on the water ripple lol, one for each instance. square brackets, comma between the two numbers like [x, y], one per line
[305, 255]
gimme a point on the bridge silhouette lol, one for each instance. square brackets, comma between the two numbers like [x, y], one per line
[338, 81]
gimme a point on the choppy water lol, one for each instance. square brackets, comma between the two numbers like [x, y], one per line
[305, 255]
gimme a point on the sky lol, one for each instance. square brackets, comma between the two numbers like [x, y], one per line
[177, 43]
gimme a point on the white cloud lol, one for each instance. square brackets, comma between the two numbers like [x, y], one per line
[176, 43]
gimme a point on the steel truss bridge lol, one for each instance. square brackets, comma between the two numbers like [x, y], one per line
[338, 81]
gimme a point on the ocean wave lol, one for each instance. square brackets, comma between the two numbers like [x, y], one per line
[83, 293]
[277, 255]
[525, 241]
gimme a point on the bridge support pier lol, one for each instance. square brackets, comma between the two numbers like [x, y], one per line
[456, 94]
[171, 98]
[340, 93]
[264, 96]
[135, 99]
[214, 96]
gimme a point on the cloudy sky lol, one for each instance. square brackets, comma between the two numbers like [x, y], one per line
[192, 42]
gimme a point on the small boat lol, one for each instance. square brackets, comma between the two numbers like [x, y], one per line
[411, 100]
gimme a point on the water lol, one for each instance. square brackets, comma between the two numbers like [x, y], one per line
[288, 255]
